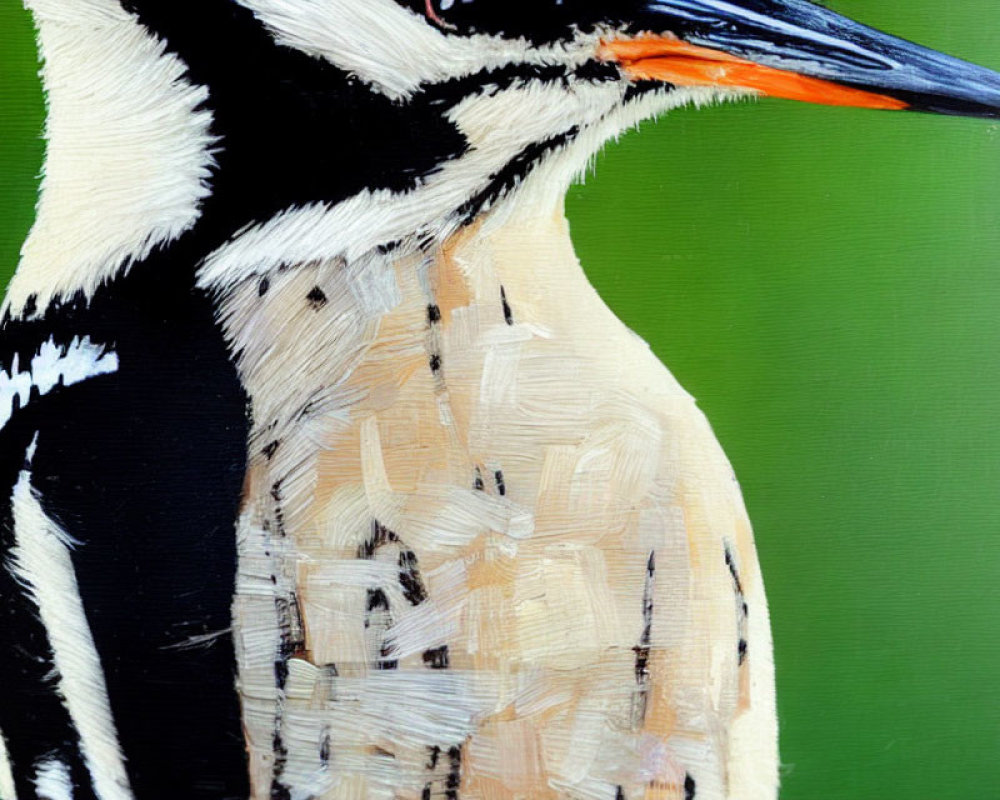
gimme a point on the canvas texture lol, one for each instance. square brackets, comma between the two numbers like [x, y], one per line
[319, 435]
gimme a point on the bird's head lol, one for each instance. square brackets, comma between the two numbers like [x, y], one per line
[332, 128]
[780, 48]
[459, 101]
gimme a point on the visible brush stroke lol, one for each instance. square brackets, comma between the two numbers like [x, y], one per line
[643, 648]
[508, 314]
[272, 218]
[41, 562]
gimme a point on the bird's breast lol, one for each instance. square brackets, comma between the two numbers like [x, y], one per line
[489, 547]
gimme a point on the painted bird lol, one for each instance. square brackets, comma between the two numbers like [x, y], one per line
[328, 475]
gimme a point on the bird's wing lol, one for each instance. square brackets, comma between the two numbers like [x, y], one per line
[121, 463]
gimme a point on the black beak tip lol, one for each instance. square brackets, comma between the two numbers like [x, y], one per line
[949, 106]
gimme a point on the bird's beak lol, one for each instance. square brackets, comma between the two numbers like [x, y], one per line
[797, 50]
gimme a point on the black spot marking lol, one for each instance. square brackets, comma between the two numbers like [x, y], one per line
[263, 287]
[435, 363]
[30, 305]
[501, 484]
[689, 787]
[409, 578]
[280, 672]
[278, 790]
[438, 658]
[377, 601]
[433, 314]
[479, 484]
[731, 563]
[377, 607]
[642, 649]
[279, 514]
[508, 315]
[620, 794]
[270, 449]
[325, 748]
[380, 536]
[290, 638]
[426, 793]
[454, 781]
[451, 780]
[742, 609]
[384, 662]
[317, 298]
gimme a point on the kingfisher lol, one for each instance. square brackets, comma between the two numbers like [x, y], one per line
[326, 473]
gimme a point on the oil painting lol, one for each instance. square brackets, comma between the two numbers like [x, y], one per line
[413, 400]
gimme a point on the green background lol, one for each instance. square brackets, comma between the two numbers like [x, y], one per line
[826, 282]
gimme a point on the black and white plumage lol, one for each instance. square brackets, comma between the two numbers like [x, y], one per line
[327, 474]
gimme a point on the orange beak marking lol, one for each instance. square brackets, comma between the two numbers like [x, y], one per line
[668, 59]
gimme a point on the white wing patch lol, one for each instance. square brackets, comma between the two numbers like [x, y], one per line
[51, 367]
[53, 781]
[41, 561]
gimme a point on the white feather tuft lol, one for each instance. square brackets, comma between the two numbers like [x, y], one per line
[128, 158]
[41, 561]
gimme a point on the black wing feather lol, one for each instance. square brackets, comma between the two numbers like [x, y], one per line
[144, 469]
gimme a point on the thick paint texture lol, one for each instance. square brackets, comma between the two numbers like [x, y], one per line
[825, 282]
[682, 64]
[822, 281]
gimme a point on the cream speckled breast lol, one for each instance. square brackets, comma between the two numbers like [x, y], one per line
[490, 549]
